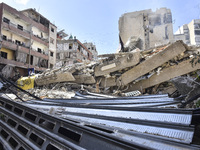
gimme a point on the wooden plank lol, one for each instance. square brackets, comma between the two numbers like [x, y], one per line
[127, 60]
[165, 75]
[153, 62]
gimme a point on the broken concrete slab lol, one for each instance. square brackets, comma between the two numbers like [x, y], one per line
[151, 63]
[121, 62]
[84, 79]
[187, 86]
[165, 75]
[107, 82]
[54, 78]
[183, 84]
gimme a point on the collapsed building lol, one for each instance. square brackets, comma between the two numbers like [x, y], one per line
[57, 119]
[152, 28]
[28, 40]
[92, 48]
[146, 69]
[72, 51]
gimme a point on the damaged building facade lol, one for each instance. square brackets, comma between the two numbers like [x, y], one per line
[71, 51]
[28, 40]
[189, 33]
[151, 28]
[92, 48]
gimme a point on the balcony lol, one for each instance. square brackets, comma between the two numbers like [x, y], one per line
[38, 54]
[40, 40]
[13, 28]
[20, 64]
[12, 46]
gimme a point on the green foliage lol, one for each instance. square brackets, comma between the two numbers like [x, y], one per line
[195, 60]
[198, 103]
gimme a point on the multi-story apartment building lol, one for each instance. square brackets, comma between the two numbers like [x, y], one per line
[183, 34]
[71, 51]
[152, 28]
[92, 48]
[28, 39]
[189, 33]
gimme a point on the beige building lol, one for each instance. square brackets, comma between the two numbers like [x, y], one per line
[189, 33]
[71, 51]
[28, 40]
[152, 28]
[92, 48]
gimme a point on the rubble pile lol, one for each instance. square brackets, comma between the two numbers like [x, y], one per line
[154, 68]
[149, 71]
[128, 71]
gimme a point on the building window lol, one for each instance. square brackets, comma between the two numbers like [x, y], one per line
[51, 40]
[31, 60]
[187, 37]
[4, 37]
[52, 29]
[167, 18]
[197, 26]
[70, 46]
[20, 27]
[79, 47]
[51, 54]
[17, 42]
[197, 39]
[51, 66]
[155, 20]
[4, 55]
[39, 50]
[197, 32]
[6, 20]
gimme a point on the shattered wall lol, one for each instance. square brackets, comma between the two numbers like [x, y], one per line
[153, 28]
[71, 51]
[21, 57]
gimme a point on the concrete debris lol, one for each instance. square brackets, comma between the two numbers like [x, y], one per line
[132, 43]
[60, 93]
[135, 72]
[10, 72]
[9, 96]
[188, 86]
[119, 62]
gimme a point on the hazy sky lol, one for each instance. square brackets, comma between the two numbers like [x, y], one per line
[97, 20]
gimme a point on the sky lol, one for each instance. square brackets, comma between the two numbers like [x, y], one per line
[96, 21]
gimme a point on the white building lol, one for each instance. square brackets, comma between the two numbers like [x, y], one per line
[153, 28]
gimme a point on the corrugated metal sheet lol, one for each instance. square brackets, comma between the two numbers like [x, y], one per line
[146, 127]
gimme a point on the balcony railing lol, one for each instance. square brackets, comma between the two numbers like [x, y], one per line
[13, 28]
[13, 42]
[13, 46]
[40, 40]
[20, 64]
[14, 25]
[43, 39]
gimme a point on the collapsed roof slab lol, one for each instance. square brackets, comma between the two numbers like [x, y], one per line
[151, 63]
[121, 62]
[54, 78]
[166, 74]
